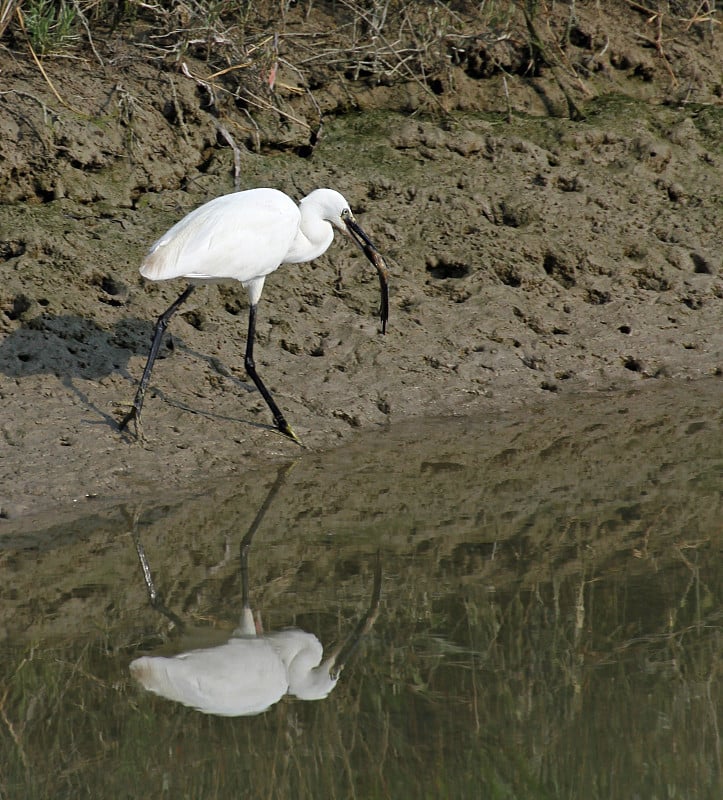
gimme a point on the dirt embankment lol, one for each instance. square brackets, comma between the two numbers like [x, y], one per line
[533, 254]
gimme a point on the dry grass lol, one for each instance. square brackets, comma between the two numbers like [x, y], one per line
[261, 56]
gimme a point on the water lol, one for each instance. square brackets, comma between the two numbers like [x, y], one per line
[551, 622]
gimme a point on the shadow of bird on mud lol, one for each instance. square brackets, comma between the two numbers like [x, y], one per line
[77, 350]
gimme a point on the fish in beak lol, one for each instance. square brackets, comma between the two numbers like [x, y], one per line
[365, 244]
[344, 652]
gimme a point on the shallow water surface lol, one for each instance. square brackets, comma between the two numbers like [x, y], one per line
[550, 624]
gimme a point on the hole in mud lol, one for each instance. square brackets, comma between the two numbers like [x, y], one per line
[114, 290]
[620, 60]
[509, 276]
[559, 270]
[21, 303]
[633, 364]
[10, 250]
[693, 303]
[111, 286]
[596, 297]
[234, 301]
[645, 72]
[701, 265]
[206, 162]
[580, 38]
[170, 112]
[513, 214]
[647, 278]
[441, 269]
[196, 319]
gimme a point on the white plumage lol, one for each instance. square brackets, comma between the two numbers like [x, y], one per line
[245, 236]
[244, 676]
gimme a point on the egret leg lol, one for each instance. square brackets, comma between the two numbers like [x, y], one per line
[279, 419]
[160, 329]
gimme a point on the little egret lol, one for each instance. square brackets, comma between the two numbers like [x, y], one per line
[246, 236]
[252, 670]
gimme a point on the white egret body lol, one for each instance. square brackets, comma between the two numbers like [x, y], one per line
[246, 236]
[244, 676]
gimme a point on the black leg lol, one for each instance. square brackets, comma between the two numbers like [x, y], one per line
[279, 420]
[161, 325]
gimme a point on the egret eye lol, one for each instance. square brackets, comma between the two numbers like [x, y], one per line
[346, 213]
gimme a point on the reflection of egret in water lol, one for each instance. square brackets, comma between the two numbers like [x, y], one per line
[252, 670]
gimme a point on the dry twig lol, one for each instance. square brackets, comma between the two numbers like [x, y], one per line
[236, 154]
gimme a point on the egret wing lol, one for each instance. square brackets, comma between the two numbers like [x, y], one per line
[242, 236]
[242, 677]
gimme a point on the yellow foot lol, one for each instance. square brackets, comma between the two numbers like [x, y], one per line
[136, 418]
[285, 428]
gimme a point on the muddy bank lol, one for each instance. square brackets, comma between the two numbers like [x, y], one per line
[532, 258]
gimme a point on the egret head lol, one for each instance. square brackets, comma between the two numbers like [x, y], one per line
[317, 684]
[328, 205]
[332, 206]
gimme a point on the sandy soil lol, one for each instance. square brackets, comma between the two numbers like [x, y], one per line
[532, 258]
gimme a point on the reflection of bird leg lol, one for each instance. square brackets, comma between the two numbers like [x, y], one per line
[258, 624]
[284, 470]
[248, 626]
[154, 596]
[344, 652]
